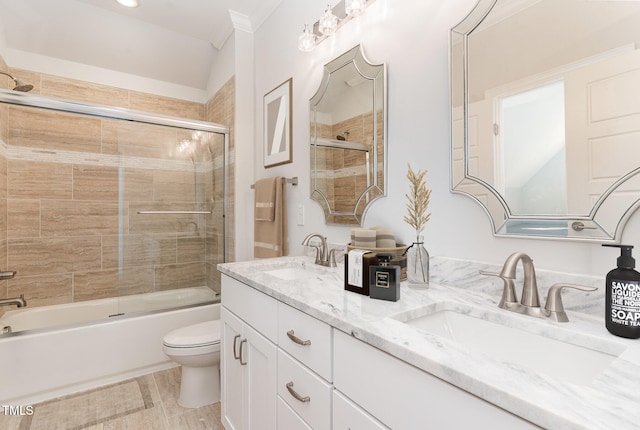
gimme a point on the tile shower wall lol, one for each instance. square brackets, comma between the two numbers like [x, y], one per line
[71, 187]
[345, 171]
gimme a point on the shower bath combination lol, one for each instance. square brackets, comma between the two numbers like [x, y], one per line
[20, 86]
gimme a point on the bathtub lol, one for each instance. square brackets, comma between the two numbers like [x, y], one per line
[73, 347]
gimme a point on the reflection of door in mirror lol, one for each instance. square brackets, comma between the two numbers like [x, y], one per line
[603, 129]
[546, 114]
[530, 150]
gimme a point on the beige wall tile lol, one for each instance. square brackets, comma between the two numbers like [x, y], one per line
[191, 249]
[78, 218]
[23, 218]
[138, 250]
[81, 91]
[111, 283]
[53, 255]
[51, 130]
[139, 140]
[50, 289]
[34, 179]
[186, 275]
[176, 187]
[138, 184]
[95, 183]
[165, 105]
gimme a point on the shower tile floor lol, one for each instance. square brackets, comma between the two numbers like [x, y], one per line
[147, 402]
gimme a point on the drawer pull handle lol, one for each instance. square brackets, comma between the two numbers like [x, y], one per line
[242, 342]
[235, 347]
[297, 340]
[297, 396]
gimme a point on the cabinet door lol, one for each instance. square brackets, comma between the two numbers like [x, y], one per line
[231, 371]
[347, 415]
[288, 419]
[259, 380]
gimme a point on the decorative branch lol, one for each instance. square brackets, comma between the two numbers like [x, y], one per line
[418, 200]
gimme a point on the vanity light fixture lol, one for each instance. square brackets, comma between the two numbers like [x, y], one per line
[328, 23]
[354, 8]
[331, 20]
[128, 3]
[307, 40]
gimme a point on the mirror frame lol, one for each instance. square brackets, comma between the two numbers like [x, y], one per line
[378, 75]
[590, 227]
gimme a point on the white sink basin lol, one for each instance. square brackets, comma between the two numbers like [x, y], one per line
[562, 360]
[292, 273]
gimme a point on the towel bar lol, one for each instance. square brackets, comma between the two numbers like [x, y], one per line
[173, 212]
[293, 181]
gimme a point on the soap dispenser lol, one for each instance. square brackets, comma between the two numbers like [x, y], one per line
[622, 296]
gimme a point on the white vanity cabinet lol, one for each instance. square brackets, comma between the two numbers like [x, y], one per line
[248, 358]
[404, 397]
[284, 369]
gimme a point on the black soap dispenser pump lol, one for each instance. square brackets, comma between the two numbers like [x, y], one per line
[622, 295]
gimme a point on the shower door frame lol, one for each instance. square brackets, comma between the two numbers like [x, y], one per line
[101, 111]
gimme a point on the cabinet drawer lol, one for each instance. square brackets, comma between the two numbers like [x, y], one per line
[304, 391]
[255, 308]
[288, 419]
[306, 338]
[347, 415]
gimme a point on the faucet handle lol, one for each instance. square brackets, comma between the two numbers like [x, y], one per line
[509, 290]
[554, 307]
[332, 257]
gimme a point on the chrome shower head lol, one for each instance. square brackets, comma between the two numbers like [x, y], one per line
[20, 86]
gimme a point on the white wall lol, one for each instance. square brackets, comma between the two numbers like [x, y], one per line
[411, 37]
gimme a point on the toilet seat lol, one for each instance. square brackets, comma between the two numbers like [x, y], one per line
[194, 336]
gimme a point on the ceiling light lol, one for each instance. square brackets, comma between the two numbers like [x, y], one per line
[328, 23]
[307, 40]
[354, 7]
[128, 3]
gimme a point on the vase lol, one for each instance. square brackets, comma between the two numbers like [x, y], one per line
[418, 264]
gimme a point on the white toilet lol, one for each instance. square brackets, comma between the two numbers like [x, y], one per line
[197, 349]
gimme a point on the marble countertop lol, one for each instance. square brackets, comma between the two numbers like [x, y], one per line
[611, 400]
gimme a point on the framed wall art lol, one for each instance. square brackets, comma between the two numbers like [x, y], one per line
[277, 125]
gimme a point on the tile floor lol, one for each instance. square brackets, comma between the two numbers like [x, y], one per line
[147, 402]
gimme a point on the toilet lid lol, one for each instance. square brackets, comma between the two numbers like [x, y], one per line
[200, 334]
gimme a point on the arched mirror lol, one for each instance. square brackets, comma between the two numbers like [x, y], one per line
[348, 137]
[546, 115]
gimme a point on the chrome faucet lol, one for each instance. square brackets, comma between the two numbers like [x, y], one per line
[20, 301]
[530, 304]
[323, 256]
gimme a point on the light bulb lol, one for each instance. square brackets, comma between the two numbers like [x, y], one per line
[328, 23]
[307, 40]
[128, 3]
[354, 8]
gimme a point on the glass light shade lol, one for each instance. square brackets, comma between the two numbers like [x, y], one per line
[354, 7]
[128, 3]
[328, 23]
[307, 40]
